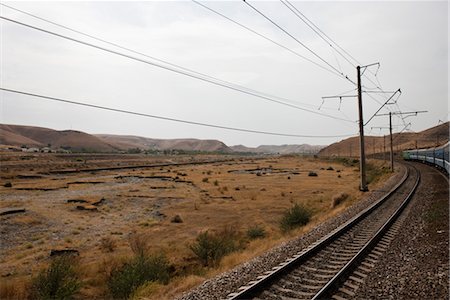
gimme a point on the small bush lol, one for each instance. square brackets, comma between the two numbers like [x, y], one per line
[256, 232]
[107, 244]
[205, 179]
[59, 281]
[8, 184]
[138, 244]
[294, 217]
[330, 168]
[176, 219]
[338, 199]
[125, 279]
[210, 248]
[216, 182]
[312, 174]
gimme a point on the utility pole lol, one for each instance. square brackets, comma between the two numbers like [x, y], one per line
[362, 155]
[390, 114]
[384, 146]
[392, 145]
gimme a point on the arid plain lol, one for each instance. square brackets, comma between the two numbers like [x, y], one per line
[71, 203]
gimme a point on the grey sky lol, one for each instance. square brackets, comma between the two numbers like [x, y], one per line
[409, 39]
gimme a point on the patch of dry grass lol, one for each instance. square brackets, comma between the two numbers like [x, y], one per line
[241, 199]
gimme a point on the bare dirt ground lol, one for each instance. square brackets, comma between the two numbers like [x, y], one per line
[76, 210]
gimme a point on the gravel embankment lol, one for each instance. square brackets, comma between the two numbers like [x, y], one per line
[220, 286]
[416, 264]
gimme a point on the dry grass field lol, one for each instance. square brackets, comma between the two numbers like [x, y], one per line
[97, 213]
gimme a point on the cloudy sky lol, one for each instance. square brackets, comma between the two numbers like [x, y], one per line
[409, 39]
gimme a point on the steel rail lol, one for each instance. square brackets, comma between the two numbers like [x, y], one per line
[248, 291]
[340, 277]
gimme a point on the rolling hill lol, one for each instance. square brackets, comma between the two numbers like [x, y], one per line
[281, 149]
[127, 141]
[431, 137]
[16, 135]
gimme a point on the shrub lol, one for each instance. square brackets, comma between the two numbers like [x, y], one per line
[8, 184]
[125, 279]
[107, 244]
[216, 182]
[313, 174]
[205, 179]
[338, 199]
[210, 248]
[256, 232]
[294, 217]
[138, 244]
[330, 168]
[59, 281]
[176, 219]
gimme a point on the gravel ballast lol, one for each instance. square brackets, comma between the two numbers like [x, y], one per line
[222, 285]
[416, 264]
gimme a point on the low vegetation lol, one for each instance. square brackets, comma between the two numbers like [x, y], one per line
[374, 172]
[140, 269]
[338, 199]
[58, 281]
[107, 244]
[294, 217]
[210, 248]
[256, 232]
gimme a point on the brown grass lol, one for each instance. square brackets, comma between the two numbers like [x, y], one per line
[238, 200]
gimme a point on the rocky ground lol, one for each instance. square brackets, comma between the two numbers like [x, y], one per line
[220, 286]
[416, 265]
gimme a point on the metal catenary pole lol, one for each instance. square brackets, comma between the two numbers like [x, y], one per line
[362, 156]
[392, 146]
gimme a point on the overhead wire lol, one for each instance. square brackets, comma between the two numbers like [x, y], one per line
[166, 118]
[151, 57]
[303, 18]
[330, 42]
[263, 36]
[298, 41]
[173, 70]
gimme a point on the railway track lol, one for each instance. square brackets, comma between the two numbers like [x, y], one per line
[336, 265]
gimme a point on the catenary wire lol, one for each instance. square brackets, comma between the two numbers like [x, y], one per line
[174, 70]
[298, 41]
[167, 118]
[264, 37]
[160, 60]
[296, 12]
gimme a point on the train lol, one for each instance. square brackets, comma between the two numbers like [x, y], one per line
[437, 156]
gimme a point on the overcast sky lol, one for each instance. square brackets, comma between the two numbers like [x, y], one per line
[409, 39]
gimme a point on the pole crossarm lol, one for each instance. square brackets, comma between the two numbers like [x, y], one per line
[387, 101]
[340, 97]
[404, 113]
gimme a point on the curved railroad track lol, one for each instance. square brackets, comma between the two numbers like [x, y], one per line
[334, 266]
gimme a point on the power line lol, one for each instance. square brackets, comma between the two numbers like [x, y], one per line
[298, 41]
[318, 29]
[152, 57]
[173, 70]
[330, 41]
[302, 17]
[166, 118]
[264, 37]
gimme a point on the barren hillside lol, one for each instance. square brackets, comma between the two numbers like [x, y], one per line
[126, 142]
[31, 136]
[431, 137]
[279, 149]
